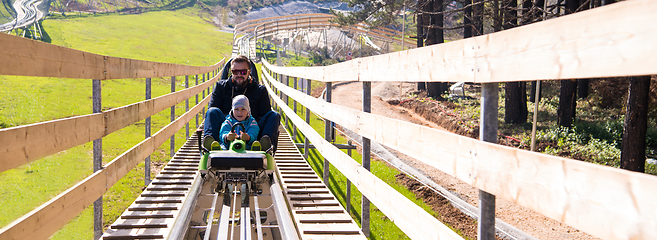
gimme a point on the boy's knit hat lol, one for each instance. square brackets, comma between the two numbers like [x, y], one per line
[241, 101]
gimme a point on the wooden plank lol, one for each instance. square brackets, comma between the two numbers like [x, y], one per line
[174, 163]
[587, 196]
[153, 207]
[172, 188]
[292, 165]
[300, 204]
[156, 200]
[306, 210]
[138, 216]
[169, 183]
[180, 168]
[24, 144]
[26, 57]
[298, 176]
[177, 172]
[329, 229]
[130, 226]
[307, 191]
[413, 220]
[295, 168]
[122, 223]
[176, 177]
[324, 216]
[163, 194]
[297, 172]
[139, 233]
[301, 181]
[296, 186]
[291, 161]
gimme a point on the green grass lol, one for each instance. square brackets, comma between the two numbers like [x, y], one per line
[187, 39]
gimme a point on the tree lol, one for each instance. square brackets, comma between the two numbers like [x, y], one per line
[515, 98]
[568, 97]
[633, 150]
[515, 104]
[567, 103]
[435, 35]
[421, 22]
[473, 15]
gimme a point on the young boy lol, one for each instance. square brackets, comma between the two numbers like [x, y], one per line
[239, 113]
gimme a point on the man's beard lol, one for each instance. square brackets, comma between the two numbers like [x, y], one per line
[242, 84]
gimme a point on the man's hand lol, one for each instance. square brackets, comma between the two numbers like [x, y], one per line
[231, 136]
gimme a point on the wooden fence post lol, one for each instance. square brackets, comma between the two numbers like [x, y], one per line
[294, 130]
[488, 133]
[348, 197]
[305, 141]
[186, 107]
[327, 134]
[285, 98]
[365, 206]
[97, 159]
[196, 101]
[147, 133]
[172, 141]
[203, 109]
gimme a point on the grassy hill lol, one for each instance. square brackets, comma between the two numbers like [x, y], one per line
[165, 36]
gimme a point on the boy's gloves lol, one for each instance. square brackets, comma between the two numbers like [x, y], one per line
[231, 136]
[244, 136]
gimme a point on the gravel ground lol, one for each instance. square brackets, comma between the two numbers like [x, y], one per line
[292, 8]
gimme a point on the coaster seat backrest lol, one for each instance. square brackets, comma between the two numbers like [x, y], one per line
[226, 70]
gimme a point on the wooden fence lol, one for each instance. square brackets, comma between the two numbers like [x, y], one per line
[610, 41]
[269, 26]
[24, 144]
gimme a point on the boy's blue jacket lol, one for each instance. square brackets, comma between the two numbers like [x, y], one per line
[249, 123]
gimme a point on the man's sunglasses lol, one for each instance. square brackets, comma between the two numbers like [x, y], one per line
[239, 71]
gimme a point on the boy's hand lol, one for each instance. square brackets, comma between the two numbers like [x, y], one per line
[231, 136]
[245, 137]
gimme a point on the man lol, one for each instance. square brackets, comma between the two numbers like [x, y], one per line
[241, 82]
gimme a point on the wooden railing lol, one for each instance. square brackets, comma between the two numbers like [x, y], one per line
[24, 144]
[268, 26]
[610, 203]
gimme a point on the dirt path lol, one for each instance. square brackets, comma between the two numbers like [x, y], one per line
[350, 95]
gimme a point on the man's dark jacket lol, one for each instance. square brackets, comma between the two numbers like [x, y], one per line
[224, 91]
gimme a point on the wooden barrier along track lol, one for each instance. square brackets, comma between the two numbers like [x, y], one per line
[316, 212]
[153, 213]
